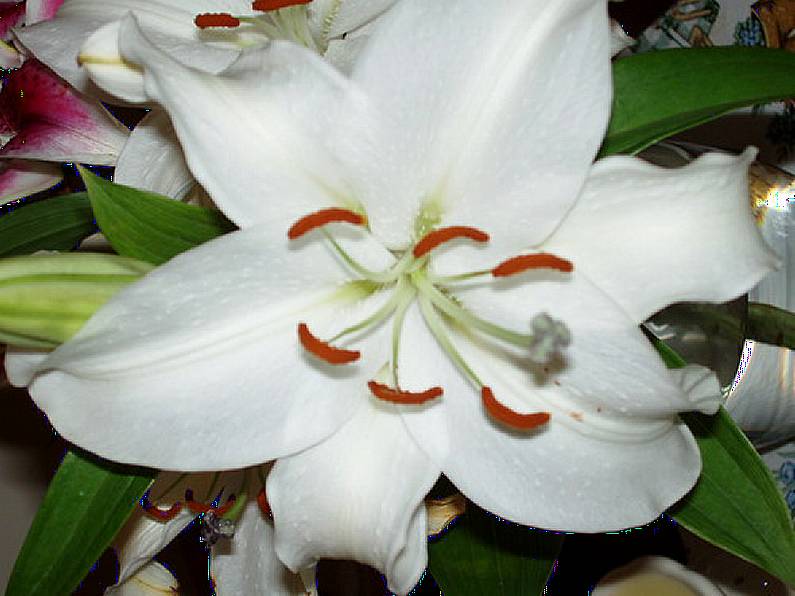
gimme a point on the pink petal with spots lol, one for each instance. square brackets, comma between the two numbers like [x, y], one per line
[41, 10]
[12, 14]
[20, 178]
[44, 118]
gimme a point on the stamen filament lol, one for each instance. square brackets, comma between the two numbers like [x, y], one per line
[383, 277]
[397, 329]
[269, 5]
[399, 396]
[379, 315]
[442, 235]
[537, 261]
[463, 316]
[321, 218]
[448, 279]
[218, 19]
[507, 416]
[323, 350]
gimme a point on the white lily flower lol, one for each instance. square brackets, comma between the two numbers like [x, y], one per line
[484, 127]
[242, 559]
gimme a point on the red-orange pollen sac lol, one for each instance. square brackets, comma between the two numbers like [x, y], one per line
[218, 19]
[262, 501]
[508, 417]
[433, 239]
[321, 218]
[525, 262]
[398, 396]
[268, 5]
[323, 350]
[162, 515]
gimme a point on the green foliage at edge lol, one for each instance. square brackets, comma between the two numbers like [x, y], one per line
[85, 505]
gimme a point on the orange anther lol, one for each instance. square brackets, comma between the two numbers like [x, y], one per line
[268, 5]
[403, 397]
[525, 262]
[162, 515]
[442, 235]
[323, 350]
[262, 501]
[230, 502]
[321, 218]
[508, 417]
[218, 19]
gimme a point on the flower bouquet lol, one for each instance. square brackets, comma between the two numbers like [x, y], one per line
[358, 247]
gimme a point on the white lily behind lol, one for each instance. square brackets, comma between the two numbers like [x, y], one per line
[490, 118]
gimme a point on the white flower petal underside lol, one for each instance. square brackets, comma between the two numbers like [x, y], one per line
[568, 474]
[37, 11]
[357, 495]
[170, 22]
[247, 563]
[152, 580]
[275, 119]
[21, 178]
[153, 160]
[482, 90]
[208, 342]
[637, 227]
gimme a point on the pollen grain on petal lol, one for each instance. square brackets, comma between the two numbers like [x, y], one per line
[537, 261]
[162, 515]
[321, 218]
[437, 237]
[217, 19]
[323, 350]
[508, 417]
[398, 396]
[268, 5]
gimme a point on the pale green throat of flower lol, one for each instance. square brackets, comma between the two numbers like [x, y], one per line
[410, 279]
[280, 19]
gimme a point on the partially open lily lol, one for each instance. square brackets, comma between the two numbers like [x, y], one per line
[431, 276]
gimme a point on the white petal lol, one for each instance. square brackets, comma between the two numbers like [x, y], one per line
[501, 103]
[22, 178]
[153, 580]
[152, 159]
[169, 22]
[198, 366]
[357, 495]
[40, 10]
[22, 364]
[332, 18]
[619, 40]
[701, 386]
[589, 474]
[271, 119]
[650, 236]
[247, 563]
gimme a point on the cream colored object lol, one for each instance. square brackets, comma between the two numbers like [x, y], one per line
[655, 576]
[152, 580]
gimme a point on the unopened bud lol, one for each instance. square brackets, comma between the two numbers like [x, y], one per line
[45, 298]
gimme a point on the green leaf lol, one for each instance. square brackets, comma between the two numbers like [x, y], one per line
[736, 504]
[59, 223]
[481, 554]
[771, 325]
[86, 504]
[148, 226]
[661, 93]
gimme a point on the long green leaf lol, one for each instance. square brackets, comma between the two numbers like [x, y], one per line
[58, 223]
[771, 325]
[482, 554]
[661, 93]
[148, 226]
[736, 503]
[86, 504]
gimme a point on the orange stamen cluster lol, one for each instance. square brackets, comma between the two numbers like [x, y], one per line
[218, 19]
[268, 5]
[398, 396]
[321, 218]
[508, 417]
[442, 235]
[162, 515]
[198, 507]
[525, 262]
[323, 350]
